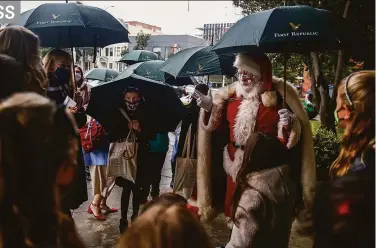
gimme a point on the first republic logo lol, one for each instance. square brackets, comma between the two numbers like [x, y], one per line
[295, 27]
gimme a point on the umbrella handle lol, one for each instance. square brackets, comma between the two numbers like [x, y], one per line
[284, 79]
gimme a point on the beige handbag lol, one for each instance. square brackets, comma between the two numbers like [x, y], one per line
[122, 158]
[186, 165]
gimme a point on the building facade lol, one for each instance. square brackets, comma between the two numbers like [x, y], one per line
[214, 31]
[109, 56]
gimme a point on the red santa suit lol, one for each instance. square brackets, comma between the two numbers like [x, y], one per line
[245, 113]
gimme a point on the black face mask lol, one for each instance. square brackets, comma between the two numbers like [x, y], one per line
[63, 75]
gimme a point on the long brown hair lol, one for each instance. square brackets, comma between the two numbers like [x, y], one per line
[358, 92]
[164, 226]
[50, 59]
[23, 45]
[34, 144]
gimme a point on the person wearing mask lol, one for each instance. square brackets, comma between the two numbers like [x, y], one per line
[81, 85]
[345, 207]
[38, 144]
[58, 65]
[23, 45]
[118, 128]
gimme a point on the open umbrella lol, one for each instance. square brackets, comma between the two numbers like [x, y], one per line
[161, 101]
[101, 74]
[284, 29]
[199, 61]
[150, 70]
[137, 56]
[67, 25]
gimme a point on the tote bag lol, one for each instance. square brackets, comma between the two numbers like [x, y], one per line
[186, 165]
[122, 158]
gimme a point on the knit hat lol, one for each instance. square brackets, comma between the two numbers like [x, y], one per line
[259, 65]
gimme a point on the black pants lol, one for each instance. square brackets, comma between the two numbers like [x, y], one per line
[156, 163]
[128, 187]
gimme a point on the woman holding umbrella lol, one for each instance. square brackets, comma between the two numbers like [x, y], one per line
[118, 129]
[81, 85]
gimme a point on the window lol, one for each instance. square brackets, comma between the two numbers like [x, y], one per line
[118, 51]
[111, 52]
[110, 65]
[107, 52]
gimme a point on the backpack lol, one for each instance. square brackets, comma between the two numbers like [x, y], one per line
[93, 136]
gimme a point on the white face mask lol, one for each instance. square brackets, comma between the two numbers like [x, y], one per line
[77, 77]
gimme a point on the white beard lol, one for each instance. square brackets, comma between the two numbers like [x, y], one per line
[253, 90]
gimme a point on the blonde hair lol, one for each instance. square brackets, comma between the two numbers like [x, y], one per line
[164, 226]
[23, 45]
[357, 91]
[50, 59]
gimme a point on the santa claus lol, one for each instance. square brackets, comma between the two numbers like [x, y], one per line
[253, 104]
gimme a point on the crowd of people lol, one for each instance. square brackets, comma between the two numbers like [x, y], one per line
[252, 147]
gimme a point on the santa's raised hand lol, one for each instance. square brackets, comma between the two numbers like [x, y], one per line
[203, 101]
[289, 128]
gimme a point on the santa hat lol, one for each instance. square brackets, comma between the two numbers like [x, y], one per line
[259, 65]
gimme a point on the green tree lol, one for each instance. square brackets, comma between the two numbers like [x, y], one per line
[44, 51]
[327, 68]
[141, 41]
[124, 51]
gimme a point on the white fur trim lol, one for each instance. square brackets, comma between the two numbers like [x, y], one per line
[232, 167]
[269, 98]
[246, 119]
[245, 62]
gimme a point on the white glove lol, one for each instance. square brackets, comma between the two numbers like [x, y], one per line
[204, 102]
[285, 118]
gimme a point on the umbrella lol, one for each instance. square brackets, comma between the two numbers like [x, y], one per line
[150, 70]
[163, 105]
[67, 25]
[101, 74]
[199, 61]
[283, 29]
[137, 56]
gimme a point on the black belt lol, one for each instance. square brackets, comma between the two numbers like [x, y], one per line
[237, 146]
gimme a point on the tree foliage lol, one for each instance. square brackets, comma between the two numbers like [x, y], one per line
[141, 41]
[124, 51]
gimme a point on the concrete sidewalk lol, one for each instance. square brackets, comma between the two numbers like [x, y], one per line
[105, 234]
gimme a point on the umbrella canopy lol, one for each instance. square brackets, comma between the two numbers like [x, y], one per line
[101, 74]
[137, 56]
[67, 25]
[283, 29]
[162, 103]
[199, 61]
[150, 70]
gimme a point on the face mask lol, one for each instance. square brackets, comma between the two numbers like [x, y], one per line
[63, 75]
[132, 106]
[77, 77]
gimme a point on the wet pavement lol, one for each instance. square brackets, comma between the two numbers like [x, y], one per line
[105, 234]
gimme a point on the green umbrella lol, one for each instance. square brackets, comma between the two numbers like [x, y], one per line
[101, 74]
[199, 61]
[150, 70]
[137, 56]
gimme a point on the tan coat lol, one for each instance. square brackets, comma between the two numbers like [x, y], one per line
[308, 171]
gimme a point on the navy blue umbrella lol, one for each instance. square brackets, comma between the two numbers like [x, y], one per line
[162, 103]
[284, 29]
[67, 25]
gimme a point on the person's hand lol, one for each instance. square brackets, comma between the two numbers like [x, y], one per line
[204, 102]
[73, 109]
[285, 118]
[136, 125]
